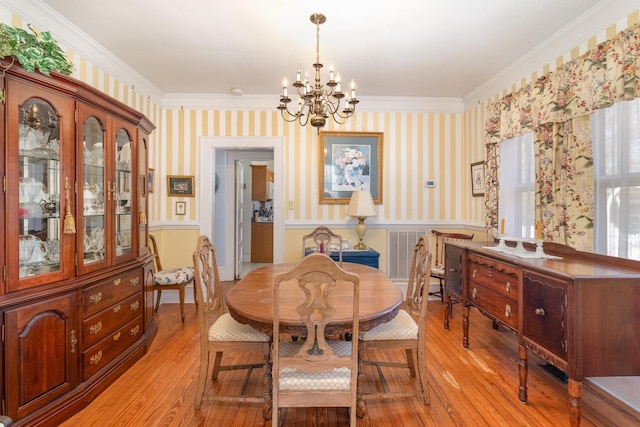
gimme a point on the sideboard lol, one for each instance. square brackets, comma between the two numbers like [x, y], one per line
[580, 311]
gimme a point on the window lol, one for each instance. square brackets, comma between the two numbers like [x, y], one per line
[616, 157]
[516, 175]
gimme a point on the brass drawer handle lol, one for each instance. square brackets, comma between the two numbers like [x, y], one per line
[94, 329]
[95, 298]
[508, 287]
[507, 311]
[116, 282]
[96, 358]
[135, 330]
[116, 309]
[134, 306]
[134, 281]
[474, 293]
[540, 311]
[116, 336]
[74, 341]
[474, 273]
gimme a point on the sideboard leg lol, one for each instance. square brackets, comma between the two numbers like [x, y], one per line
[445, 311]
[465, 325]
[575, 394]
[523, 371]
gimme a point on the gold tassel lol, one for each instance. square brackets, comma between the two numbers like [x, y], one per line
[143, 218]
[69, 221]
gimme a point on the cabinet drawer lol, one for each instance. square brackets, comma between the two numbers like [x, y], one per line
[100, 325]
[500, 278]
[104, 294]
[494, 304]
[109, 348]
[544, 307]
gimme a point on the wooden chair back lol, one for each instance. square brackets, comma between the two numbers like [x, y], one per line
[154, 251]
[312, 282]
[322, 237]
[207, 286]
[415, 303]
[441, 238]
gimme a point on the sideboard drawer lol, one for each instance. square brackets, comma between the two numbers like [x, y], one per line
[96, 357]
[100, 325]
[499, 277]
[487, 300]
[100, 296]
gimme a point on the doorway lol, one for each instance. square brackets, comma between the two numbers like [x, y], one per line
[217, 209]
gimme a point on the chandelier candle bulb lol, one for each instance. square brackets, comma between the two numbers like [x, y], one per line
[331, 73]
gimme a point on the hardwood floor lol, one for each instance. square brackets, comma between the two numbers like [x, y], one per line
[475, 387]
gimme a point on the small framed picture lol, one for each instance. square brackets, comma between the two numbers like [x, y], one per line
[180, 186]
[181, 208]
[477, 179]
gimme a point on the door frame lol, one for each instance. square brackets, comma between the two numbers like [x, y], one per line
[208, 148]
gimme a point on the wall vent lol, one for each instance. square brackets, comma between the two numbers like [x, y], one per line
[400, 245]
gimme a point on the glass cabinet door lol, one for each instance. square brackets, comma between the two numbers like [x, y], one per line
[39, 135]
[92, 193]
[39, 189]
[124, 193]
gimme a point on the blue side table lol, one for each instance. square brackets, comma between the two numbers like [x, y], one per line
[369, 257]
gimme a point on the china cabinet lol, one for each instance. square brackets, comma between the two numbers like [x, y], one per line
[577, 310]
[75, 307]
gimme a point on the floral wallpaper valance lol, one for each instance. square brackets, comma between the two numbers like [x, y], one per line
[604, 75]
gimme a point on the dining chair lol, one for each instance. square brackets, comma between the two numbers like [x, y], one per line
[437, 270]
[403, 332]
[175, 278]
[220, 333]
[318, 371]
[322, 237]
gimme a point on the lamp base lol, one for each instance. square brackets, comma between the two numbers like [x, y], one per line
[361, 228]
[360, 246]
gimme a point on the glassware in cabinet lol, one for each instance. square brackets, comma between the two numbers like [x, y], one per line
[39, 183]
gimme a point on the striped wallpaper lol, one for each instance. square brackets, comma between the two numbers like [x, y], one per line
[417, 147]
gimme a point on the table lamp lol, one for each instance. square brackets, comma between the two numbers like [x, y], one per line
[361, 206]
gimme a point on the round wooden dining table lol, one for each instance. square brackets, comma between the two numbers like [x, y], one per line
[250, 301]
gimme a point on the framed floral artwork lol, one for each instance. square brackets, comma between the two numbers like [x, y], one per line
[350, 161]
[477, 179]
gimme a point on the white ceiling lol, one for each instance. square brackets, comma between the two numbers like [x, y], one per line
[423, 48]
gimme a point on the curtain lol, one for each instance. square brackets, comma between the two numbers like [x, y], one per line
[556, 107]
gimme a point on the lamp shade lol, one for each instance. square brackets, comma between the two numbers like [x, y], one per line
[361, 204]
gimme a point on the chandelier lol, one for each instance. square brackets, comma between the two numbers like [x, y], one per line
[315, 102]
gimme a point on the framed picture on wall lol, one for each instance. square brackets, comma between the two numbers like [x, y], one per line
[151, 180]
[181, 208]
[477, 179]
[350, 161]
[180, 186]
